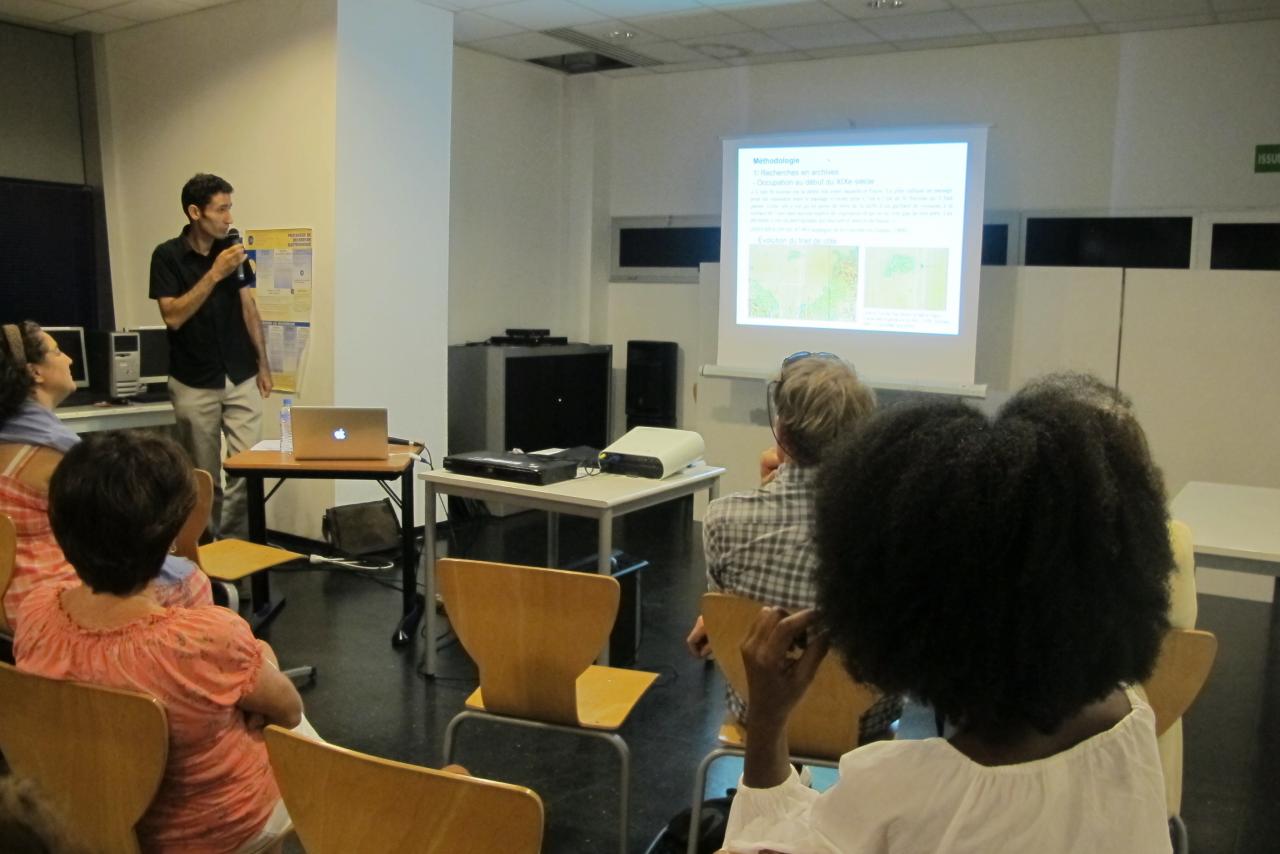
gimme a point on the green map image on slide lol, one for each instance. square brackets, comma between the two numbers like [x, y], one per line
[910, 278]
[803, 283]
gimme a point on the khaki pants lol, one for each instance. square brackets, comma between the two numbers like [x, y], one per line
[204, 416]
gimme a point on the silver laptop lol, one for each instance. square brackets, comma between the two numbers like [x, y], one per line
[339, 433]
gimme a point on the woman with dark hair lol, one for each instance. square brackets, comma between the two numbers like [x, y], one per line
[35, 376]
[1013, 573]
[116, 502]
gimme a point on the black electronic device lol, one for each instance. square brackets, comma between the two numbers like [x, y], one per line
[652, 383]
[527, 341]
[528, 333]
[520, 468]
[153, 352]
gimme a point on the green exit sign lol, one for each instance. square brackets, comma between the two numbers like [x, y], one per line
[1267, 158]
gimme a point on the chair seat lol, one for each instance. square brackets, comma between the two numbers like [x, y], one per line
[232, 560]
[606, 695]
[733, 733]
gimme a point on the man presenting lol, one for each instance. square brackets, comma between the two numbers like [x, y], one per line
[217, 359]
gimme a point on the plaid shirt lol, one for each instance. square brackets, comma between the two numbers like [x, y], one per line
[759, 545]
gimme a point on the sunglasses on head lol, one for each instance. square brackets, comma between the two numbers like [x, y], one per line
[805, 354]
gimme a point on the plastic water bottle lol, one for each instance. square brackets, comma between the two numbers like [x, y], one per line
[286, 427]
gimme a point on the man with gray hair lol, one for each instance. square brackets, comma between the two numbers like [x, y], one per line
[759, 544]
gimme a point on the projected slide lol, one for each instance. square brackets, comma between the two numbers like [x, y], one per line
[856, 237]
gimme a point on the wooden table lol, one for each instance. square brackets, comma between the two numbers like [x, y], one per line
[602, 497]
[1236, 528]
[256, 466]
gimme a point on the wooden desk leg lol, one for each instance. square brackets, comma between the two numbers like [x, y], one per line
[263, 609]
[429, 575]
[553, 540]
[604, 564]
[412, 610]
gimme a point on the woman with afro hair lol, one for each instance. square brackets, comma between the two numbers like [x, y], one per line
[1013, 573]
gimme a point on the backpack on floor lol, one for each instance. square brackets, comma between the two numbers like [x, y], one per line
[674, 838]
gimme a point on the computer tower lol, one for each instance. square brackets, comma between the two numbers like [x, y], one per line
[652, 383]
[115, 368]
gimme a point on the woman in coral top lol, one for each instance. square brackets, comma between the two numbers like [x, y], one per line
[117, 500]
[35, 376]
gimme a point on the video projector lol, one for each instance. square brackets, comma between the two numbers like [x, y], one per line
[656, 452]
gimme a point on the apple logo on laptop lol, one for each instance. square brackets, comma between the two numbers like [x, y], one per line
[340, 434]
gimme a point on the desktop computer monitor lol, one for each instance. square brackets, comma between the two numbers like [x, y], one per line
[71, 341]
[153, 346]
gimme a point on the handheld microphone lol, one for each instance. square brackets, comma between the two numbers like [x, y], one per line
[233, 235]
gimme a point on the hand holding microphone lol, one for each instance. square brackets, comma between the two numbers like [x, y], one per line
[237, 244]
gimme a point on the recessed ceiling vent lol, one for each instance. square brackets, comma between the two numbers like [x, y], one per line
[598, 54]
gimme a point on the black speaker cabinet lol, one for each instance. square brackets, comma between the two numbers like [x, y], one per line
[652, 384]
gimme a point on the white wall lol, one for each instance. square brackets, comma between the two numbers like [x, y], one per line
[1139, 120]
[263, 117]
[507, 207]
[391, 243]
[39, 107]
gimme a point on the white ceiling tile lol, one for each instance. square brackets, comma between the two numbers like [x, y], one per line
[1115, 11]
[1241, 5]
[91, 5]
[769, 58]
[626, 72]
[931, 25]
[787, 15]
[686, 66]
[473, 26]
[1046, 33]
[860, 9]
[1027, 16]
[974, 4]
[691, 25]
[98, 22]
[625, 9]
[149, 10]
[823, 35]
[736, 45]
[615, 33]
[465, 5]
[851, 50]
[525, 46]
[747, 4]
[939, 44]
[670, 52]
[1158, 24]
[37, 10]
[1248, 15]
[543, 14]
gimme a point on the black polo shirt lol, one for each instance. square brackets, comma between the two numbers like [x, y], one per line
[214, 343]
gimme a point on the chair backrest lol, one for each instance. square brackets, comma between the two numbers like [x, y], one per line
[1186, 657]
[8, 554]
[825, 722]
[187, 543]
[341, 800]
[531, 632]
[97, 753]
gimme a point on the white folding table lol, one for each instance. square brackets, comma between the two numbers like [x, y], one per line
[603, 497]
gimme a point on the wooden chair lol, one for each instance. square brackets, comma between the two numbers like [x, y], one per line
[8, 555]
[341, 800]
[1186, 658]
[98, 753]
[228, 561]
[825, 723]
[533, 634]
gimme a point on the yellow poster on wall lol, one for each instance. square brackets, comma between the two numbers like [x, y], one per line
[281, 259]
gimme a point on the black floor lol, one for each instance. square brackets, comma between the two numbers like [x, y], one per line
[371, 697]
